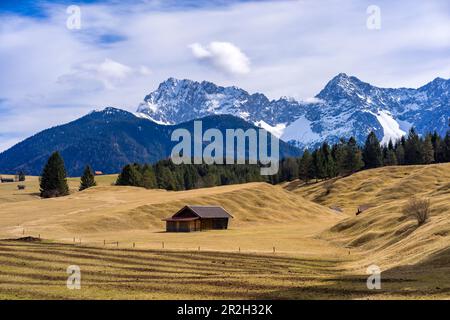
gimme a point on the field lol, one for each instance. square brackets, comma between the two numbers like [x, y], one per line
[284, 241]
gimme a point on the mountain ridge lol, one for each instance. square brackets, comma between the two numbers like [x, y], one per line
[345, 107]
[107, 140]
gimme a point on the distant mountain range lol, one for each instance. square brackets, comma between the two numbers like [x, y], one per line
[111, 138]
[346, 107]
[108, 140]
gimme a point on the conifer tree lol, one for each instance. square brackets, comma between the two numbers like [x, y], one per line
[306, 170]
[372, 155]
[319, 165]
[165, 178]
[328, 160]
[338, 152]
[130, 176]
[436, 141]
[353, 157]
[400, 153]
[21, 176]
[53, 181]
[148, 177]
[445, 148]
[87, 179]
[427, 151]
[413, 148]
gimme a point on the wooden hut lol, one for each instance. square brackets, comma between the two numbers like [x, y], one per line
[198, 218]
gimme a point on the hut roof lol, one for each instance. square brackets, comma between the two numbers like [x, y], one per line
[210, 211]
[180, 219]
[203, 212]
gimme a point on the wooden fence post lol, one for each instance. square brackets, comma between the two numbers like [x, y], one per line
[134, 245]
[274, 250]
[163, 244]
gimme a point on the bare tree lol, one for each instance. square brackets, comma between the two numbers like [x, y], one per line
[418, 209]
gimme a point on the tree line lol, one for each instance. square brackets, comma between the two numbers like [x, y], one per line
[347, 157]
[326, 162]
[166, 175]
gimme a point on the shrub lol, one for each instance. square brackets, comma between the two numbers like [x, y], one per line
[418, 209]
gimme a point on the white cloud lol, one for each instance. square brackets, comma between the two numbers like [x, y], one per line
[109, 73]
[312, 100]
[224, 56]
[123, 51]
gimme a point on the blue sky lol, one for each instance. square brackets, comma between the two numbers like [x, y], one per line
[52, 74]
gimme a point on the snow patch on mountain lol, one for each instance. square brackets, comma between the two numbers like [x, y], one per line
[300, 130]
[276, 130]
[390, 126]
[146, 116]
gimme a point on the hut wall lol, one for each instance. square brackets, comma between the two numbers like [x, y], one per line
[182, 226]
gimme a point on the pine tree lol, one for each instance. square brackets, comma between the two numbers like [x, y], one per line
[328, 160]
[165, 178]
[21, 176]
[319, 165]
[338, 152]
[130, 176]
[289, 169]
[53, 181]
[389, 155]
[413, 154]
[306, 170]
[436, 141]
[372, 155]
[400, 154]
[444, 149]
[148, 177]
[88, 179]
[427, 151]
[353, 157]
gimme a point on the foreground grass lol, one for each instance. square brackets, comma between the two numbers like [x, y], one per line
[37, 270]
[320, 253]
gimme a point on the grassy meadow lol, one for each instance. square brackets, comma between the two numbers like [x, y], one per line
[285, 241]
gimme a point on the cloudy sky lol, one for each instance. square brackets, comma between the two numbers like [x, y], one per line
[54, 70]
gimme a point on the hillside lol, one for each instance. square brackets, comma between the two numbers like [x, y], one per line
[264, 215]
[319, 252]
[108, 140]
[381, 231]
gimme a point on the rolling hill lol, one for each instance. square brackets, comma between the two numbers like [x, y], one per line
[116, 236]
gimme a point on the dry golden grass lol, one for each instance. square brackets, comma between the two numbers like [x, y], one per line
[264, 216]
[320, 253]
[10, 193]
[38, 271]
[384, 235]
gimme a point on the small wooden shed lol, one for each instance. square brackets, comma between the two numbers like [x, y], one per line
[198, 218]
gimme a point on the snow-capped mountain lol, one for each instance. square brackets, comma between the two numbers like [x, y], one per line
[176, 101]
[346, 107]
